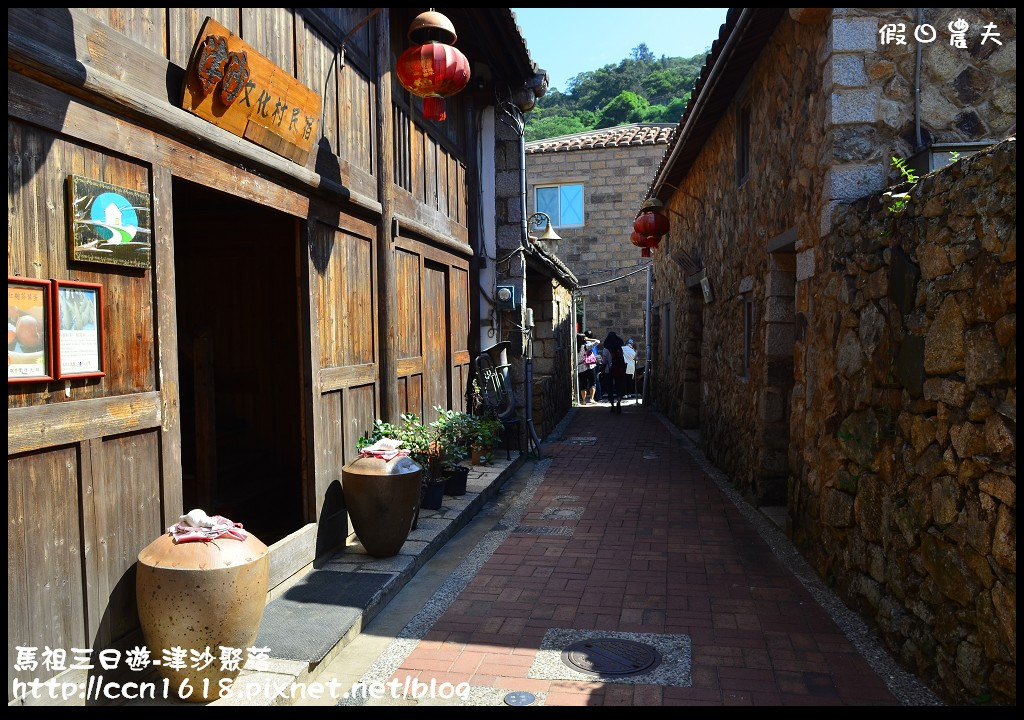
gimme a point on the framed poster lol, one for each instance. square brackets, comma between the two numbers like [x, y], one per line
[28, 333]
[109, 224]
[78, 329]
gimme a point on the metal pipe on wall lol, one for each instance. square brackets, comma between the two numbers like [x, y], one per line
[647, 333]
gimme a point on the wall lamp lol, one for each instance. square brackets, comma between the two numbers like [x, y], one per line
[549, 234]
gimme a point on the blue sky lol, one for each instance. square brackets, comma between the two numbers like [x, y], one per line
[567, 41]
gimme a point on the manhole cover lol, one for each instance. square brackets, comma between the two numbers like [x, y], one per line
[610, 657]
[520, 698]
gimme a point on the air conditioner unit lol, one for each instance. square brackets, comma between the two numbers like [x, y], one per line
[505, 297]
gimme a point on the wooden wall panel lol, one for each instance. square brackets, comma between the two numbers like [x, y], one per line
[271, 31]
[316, 67]
[345, 19]
[39, 164]
[414, 394]
[360, 406]
[184, 25]
[408, 283]
[430, 152]
[45, 603]
[442, 180]
[356, 118]
[146, 26]
[460, 299]
[419, 183]
[331, 445]
[121, 515]
[435, 340]
[358, 307]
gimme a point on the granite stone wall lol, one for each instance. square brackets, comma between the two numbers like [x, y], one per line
[744, 235]
[904, 421]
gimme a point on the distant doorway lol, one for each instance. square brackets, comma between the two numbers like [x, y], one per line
[239, 349]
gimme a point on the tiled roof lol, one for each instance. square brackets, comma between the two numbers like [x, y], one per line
[743, 35]
[633, 134]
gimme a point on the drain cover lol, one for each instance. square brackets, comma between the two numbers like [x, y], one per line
[610, 656]
[519, 698]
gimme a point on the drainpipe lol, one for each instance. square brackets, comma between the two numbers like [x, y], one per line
[917, 87]
[647, 335]
[527, 332]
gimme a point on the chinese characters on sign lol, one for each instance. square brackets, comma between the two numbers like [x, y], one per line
[236, 88]
[896, 33]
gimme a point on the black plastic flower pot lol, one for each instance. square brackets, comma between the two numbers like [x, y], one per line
[433, 496]
[455, 482]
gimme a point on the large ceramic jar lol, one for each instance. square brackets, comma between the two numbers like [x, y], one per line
[200, 595]
[381, 497]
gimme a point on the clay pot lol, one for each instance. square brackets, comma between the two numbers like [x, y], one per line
[200, 595]
[381, 498]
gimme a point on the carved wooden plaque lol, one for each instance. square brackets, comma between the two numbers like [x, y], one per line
[232, 86]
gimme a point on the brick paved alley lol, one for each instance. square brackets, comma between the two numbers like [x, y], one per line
[626, 534]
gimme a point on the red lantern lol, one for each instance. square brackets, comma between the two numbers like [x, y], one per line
[433, 70]
[650, 222]
[644, 242]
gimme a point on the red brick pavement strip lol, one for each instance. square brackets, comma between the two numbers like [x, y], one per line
[658, 549]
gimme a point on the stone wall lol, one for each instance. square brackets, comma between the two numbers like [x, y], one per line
[553, 362]
[906, 423]
[731, 227]
[615, 182]
[966, 94]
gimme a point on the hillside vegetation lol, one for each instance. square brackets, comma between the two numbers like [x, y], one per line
[641, 88]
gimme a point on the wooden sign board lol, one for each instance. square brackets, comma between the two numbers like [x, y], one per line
[232, 86]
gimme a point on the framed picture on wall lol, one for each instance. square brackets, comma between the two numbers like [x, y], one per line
[78, 329]
[29, 357]
[109, 224]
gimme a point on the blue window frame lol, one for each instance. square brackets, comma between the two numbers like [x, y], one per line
[562, 203]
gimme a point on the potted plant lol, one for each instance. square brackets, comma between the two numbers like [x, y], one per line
[486, 432]
[454, 433]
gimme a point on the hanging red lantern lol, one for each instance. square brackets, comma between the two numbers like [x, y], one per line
[651, 222]
[644, 242]
[433, 69]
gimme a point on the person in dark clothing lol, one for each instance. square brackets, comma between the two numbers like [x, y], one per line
[617, 373]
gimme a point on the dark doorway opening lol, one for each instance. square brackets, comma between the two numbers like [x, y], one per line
[239, 349]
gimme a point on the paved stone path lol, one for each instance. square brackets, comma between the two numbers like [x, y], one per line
[622, 534]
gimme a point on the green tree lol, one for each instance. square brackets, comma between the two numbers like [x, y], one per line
[626, 107]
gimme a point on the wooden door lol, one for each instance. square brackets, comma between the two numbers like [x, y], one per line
[436, 340]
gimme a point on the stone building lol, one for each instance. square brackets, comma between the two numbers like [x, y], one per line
[856, 362]
[591, 185]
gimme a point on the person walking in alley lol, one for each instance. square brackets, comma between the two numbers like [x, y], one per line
[616, 364]
[629, 353]
[585, 362]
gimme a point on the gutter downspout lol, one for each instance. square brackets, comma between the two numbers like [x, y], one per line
[527, 331]
[918, 14]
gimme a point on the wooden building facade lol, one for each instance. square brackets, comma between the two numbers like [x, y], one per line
[288, 299]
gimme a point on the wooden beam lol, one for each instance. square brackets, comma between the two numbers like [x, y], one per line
[431, 252]
[410, 366]
[451, 242]
[292, 553]
[167, 347]
[387, 288]
[43, 426]
[336, 378]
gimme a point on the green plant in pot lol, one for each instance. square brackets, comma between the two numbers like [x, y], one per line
[486, 431]
[454, 431]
